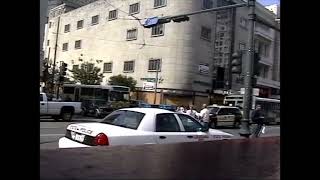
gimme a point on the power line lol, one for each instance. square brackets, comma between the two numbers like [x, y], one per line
[103, 39]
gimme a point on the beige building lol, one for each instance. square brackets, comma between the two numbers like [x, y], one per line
[232, 35]
[110, 35]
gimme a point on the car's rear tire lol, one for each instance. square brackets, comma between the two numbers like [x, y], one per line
[66, 115]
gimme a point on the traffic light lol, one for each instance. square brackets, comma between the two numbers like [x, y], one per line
[154, 21]
[236, 63]
[180, 19]
[64, 69]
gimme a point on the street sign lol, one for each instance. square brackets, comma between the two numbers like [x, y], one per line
[151, 22]
[148, 85]
[203, 68]
[148, 79]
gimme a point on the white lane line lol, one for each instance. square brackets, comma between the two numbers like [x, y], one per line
[44, 135]
[51, 127]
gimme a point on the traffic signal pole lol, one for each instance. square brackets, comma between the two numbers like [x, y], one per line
[55, 55]
[245, 130]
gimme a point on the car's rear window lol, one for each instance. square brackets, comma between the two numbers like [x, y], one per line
[124, 118]
[213, 110]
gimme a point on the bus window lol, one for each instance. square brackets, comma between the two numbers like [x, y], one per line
[68, 90]
[87, 91]
[116, 96]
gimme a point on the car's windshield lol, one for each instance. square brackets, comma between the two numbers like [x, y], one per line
[124, 118]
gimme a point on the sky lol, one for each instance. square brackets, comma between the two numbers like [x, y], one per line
[268, 2]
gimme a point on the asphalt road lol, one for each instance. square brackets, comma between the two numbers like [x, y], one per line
[51, 131]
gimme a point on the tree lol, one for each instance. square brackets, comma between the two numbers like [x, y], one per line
[87, 74]
[121, 80]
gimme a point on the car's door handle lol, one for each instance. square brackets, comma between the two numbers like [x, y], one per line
[42, 103]
[189, 136]
[162, 137]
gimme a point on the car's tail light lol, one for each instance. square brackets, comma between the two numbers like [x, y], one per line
[101, 140]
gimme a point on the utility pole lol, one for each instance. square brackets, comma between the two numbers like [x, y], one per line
[55, 54]
[156, 86]
[245, 130]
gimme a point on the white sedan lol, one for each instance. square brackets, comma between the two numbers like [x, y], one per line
[136, 126]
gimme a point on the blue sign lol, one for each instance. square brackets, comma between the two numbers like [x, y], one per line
[151, 22]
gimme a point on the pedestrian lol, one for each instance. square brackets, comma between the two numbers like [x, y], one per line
[193, 113]
[205, 116]
[258, 119]
[181, 109]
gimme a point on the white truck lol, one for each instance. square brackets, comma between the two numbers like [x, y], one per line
[58, 110]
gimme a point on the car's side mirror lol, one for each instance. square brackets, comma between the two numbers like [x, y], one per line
[205, 129]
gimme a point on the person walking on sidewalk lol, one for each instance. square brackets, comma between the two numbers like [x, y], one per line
[258, 119]
[205, 116]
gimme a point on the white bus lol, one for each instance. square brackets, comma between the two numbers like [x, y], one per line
[271, 107]
[110, 93]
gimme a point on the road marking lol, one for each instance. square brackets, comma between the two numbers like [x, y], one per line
[44, 135]
[51, 127]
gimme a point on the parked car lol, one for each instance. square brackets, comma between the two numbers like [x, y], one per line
[58, 109]
[96, 107]
[137, 126]
[225, 115]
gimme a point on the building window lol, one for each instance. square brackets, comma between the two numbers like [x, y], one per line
[113, 15]
[48, 42]
[220, 43]
[50, 24]
[243, 22]
[67, 28]
[95, 20]
[80, 24]
[128, 66]
[158, 30]
[242, 46]
[65, 47]
[160, 3]
[154, 65]
[132, 34]
[134, 8]
[263, 49]
[207, 4]
[77, 44]
[107, 67]
[75, 67]
[206, 33]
